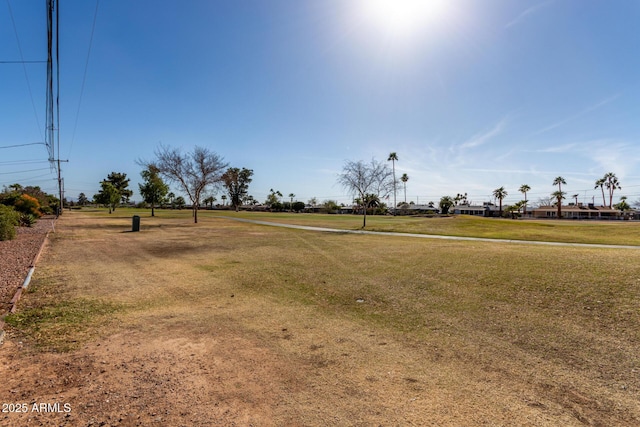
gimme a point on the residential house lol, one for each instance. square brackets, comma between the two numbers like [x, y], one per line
[579, 211]
[486, 209]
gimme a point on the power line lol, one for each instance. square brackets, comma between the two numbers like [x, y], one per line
[84, 78]
[23, 62]
[26, 75]
[23, 145]
[23, 162]
[30, 170]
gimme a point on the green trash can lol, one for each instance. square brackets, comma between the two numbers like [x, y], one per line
[135, 226]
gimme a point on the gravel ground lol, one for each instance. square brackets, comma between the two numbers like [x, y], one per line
[16, 256]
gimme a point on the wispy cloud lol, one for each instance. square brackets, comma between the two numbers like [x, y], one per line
[578, 115]
[528, 12]
[557, 149]
[482, 138]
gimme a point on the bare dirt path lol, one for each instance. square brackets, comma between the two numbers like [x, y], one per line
[193, 326]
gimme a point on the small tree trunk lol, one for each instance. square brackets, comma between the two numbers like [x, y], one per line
[364, 217]
[195, 213]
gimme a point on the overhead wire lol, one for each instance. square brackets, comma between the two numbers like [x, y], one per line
[24, 68]
[84, 77]
[23, 145]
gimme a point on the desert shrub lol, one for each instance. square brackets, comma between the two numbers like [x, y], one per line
[8, 222]
[27, 220]
[28, 205]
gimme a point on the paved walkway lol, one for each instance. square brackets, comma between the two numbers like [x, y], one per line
[428, 236]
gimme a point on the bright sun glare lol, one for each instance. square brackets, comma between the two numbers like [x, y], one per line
[403, 20]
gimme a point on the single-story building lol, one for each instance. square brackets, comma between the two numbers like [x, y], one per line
[579, 211]
[486, 209]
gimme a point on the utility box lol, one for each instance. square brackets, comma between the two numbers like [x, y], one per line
[135, 226]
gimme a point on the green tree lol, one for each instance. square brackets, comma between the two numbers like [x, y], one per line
[559, 181]
[331, 206]
[194, 172]
[273, 199]
[153, 190]
[209, 201]
[500, 194]
[393, 158]
[120, 182]
[82, 199]
[612, 184]
[108, 195]
[524, 188]
[180, 202]
[291, 196]
[600, 183]
[446, 203]
[404, 178]
[237, 181]
[297, 206]
[559, 196]
[364, 179]
[623, 205]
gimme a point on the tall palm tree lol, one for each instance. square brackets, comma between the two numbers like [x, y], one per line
[612, 184]
[559, 196]
[559, 181]
[291, 195]
[393, 157]
[404, 178]
[600, 183]
[500, 193]
[523, 189]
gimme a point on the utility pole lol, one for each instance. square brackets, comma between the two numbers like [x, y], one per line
[53, 93]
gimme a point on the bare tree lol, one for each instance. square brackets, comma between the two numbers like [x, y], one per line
[366, 179]
[193, 171]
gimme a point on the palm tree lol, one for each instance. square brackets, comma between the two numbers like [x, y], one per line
[559, 196]
[600, 183]
[612, 184]
[404, 178]
[523, 189]
[393, 157]
[559, 181]
[291, 195]
[575, 196]
[500, 193]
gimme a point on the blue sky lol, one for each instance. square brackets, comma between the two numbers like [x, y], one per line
[472, 95]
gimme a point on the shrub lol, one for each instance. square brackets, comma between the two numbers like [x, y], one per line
[28, 205]
[27, 220]
[298, 206]
[8, 221]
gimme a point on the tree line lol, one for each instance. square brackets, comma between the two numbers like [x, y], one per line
[194, 173]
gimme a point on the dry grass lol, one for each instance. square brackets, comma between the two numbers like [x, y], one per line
[602, 232]
[376, 329]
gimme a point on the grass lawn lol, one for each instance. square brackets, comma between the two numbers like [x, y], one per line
[602, 232]
[375, 329]
[569, 231]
